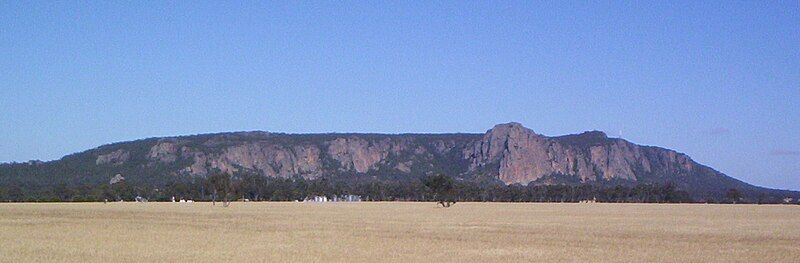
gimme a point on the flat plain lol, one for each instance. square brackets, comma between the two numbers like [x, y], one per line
[397, 232]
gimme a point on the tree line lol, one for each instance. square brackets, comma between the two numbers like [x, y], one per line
[225, 187]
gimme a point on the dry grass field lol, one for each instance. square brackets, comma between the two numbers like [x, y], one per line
[397, 232]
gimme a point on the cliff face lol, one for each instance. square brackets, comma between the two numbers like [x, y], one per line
[281, 155]
[519, 155]
[509, 153]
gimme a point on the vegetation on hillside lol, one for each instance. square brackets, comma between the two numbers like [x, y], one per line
[440, 188]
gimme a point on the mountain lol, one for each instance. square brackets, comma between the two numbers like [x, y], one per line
[508, 153]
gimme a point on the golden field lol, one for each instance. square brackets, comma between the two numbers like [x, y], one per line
[397, 232]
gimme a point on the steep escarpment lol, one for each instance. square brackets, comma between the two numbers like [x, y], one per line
[283, 155]
[508, 153]
[519, 155]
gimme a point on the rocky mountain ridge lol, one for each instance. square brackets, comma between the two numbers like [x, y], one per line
[507, 153]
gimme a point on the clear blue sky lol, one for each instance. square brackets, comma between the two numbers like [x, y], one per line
[718, 80]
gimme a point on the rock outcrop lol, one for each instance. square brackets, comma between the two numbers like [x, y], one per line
[117, 157]
[519, 155]
[358, 154]
[282, 156]
[163, 152]
[116, 179]
[509, 153]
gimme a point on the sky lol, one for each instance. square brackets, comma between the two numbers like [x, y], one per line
[717, 80]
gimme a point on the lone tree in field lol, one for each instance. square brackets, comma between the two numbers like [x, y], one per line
[734, 195]
[442, 188]
[220, 183]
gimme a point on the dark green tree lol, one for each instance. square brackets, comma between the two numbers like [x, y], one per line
[734, 195]
[220, 183]
[441, 187]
